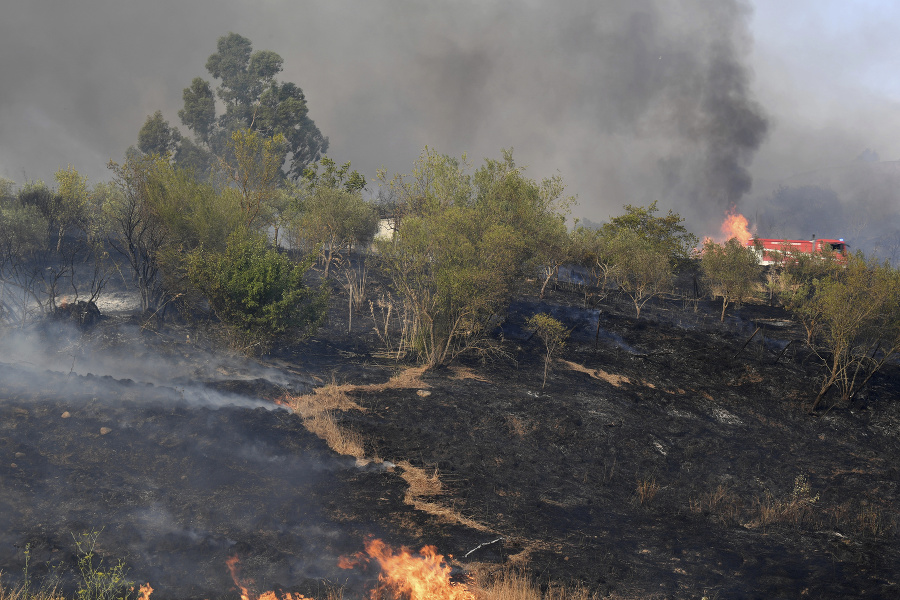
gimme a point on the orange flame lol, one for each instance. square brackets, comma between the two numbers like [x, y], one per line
[736, 226]
[144, 592]
[233, 565]
[424, 577]
[234, 569]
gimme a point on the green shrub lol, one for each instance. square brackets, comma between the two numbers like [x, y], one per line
[640, 267]
[257, 292]
[851, 313]
[731, 270]
[552, 333]
[100, 581]
[463, 244]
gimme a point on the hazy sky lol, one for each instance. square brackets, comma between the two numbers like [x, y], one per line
[629, 100]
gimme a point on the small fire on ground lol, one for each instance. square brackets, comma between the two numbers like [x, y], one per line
[144, 592]
[244, 585]
[425, 576]
[403, 575]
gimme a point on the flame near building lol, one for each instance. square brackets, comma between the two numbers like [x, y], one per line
[736, 225]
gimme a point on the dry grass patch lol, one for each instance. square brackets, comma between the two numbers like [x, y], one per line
[341, 440]
[318, 409]
[646, 490]
[23, 593]
[614, 380]
[460, 373]
[797, 509]
[720, 502]
[872, 520]
[318, 413]
[518, 426]
[865, 517]
[428, 485]
[421, 483]
[515, 585]
[325, 398]
[404, 380]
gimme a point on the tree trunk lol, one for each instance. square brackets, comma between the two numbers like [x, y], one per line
[328, 258]
[825, 388]
[550, 273]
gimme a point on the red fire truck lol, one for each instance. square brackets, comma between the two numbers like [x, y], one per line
[773, 250]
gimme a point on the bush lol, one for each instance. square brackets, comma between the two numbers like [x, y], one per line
[462, 244]
[667, 234]
[257, 292]
[333, 220]
[552, 333]
[100, 581]
[641, 267]
[852, 316]
[731, 270]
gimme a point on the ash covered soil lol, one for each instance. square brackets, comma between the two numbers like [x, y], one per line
[664, 458]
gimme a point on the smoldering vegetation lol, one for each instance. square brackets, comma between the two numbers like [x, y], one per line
[668, 454]
[177, 470]
[127, 355]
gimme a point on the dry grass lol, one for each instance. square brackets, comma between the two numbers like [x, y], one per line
[326, 398]
[423, 485]
[335, 396]
[720, 502]
[797, 509]
[864, 517]
[871, 520]
[646, 490]
[614, 380]
[20, 593]
[405, 379]
[515, 585]
[800, 509]
[318, 413]
[460, 373]
[333, 592]
[341, 440]
[518, 426]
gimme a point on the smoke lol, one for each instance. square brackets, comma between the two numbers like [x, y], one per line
[629, 101]
[735, 129]
[124, 356]
[173, 470]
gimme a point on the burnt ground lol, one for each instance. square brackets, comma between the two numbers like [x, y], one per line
[661, 460]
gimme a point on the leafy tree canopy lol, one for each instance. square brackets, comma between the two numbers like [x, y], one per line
[253, 99]
[731, 270]
[157, 137]
[665, 232]
[851, 312]
[639, 265]
[257, 291]
[463, 242]
[333, 176]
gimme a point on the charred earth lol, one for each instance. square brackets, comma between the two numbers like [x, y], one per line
[665, 458]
